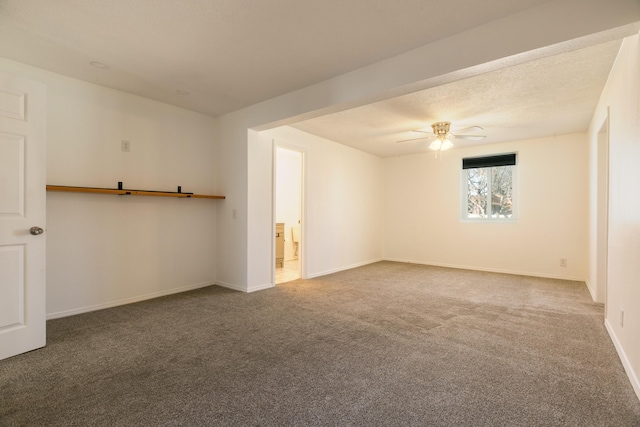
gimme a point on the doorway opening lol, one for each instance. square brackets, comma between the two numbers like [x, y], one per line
[602, 232]
[288, 189]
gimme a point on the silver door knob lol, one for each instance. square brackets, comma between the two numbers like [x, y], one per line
[36, 231]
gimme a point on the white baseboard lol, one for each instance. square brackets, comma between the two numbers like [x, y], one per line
[264, 286]
[244, 289]
[231, 286]
[592, 291]
[489, 270]
[347, 267]
[624, 359]
[124, 301]
[260, 287]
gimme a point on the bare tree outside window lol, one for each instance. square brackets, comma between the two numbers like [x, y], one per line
[501, 191]
[490, 192]
[477, 192]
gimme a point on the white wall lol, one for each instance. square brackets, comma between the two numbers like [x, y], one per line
[288, 195]
[343, 202]
[232, 223]
[83, 273]
[242, 239]
[105, 250]
[423, 211]
[622, 96]
[342, 220]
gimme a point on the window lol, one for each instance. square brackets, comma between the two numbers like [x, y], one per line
[488, 188]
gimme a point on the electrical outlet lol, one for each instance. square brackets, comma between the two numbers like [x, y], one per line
[563, 262]
[621, 318]
[125, 146]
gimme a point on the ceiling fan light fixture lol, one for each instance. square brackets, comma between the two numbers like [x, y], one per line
[441, 144]
[442, 136]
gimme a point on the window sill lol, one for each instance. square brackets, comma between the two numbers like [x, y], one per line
[490, 221]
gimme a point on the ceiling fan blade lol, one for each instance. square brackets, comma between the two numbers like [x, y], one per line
[416, 139]
[470, 128]
[470, 137]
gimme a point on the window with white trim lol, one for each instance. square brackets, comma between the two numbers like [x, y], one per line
[488, 188]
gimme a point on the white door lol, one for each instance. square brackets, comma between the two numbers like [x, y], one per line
[22, 206]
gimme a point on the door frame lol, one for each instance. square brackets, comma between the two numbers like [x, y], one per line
[602, 209]
[303, 206]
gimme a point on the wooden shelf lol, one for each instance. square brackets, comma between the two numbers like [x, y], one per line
[125, 192]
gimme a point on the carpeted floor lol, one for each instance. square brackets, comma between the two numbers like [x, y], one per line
[387, 344]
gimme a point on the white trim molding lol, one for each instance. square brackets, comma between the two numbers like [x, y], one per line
[633, 378]
[125, 301]
[489, 270]
[346, 267]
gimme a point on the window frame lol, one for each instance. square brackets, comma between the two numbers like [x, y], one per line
[465, 189]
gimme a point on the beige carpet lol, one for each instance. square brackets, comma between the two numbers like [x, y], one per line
[382, 345]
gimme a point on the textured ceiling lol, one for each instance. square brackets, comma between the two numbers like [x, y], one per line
[227, 53]
[550, 96]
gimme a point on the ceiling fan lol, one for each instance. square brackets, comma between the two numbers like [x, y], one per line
[443, 135]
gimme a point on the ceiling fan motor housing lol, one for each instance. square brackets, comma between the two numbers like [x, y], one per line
[441, 128]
